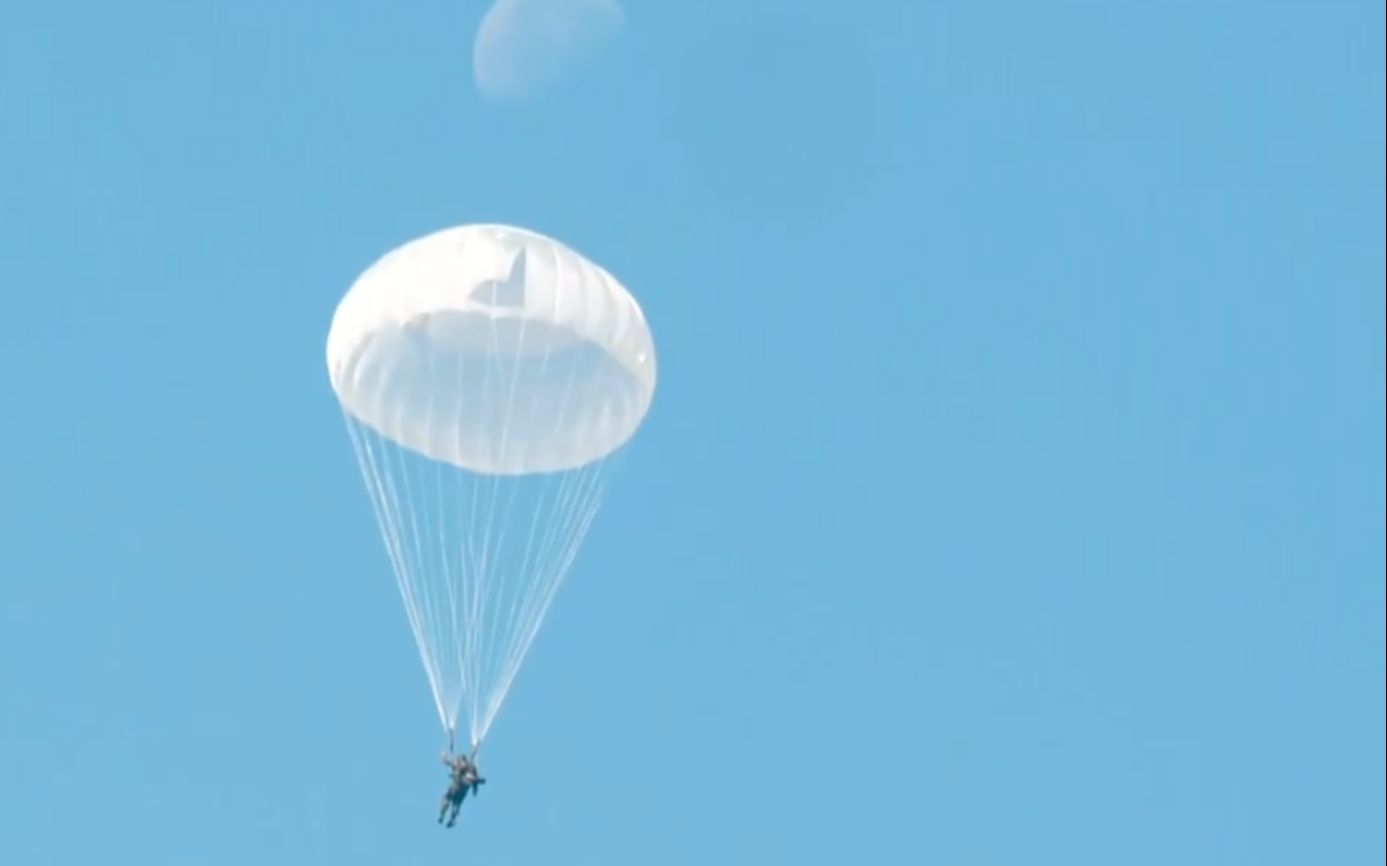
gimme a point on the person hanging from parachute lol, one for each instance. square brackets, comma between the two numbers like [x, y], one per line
[480, 366]
[463, 779]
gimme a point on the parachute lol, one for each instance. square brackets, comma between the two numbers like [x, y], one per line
[487, 375]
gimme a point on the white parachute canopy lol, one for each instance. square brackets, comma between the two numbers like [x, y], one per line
[486, 374]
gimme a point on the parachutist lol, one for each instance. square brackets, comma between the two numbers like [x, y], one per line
[464, 780]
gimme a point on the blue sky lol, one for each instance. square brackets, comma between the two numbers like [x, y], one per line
[1013, 493]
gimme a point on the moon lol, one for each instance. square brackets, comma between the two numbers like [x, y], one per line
[524, 46]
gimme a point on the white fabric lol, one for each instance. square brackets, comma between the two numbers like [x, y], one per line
[494, 349]
[487, 373]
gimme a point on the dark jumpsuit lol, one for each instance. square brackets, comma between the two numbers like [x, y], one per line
[464, 779]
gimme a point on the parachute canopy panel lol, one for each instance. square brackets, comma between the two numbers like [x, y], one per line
[493, 349]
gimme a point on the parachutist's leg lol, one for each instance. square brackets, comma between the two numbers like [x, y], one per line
[443, 809]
